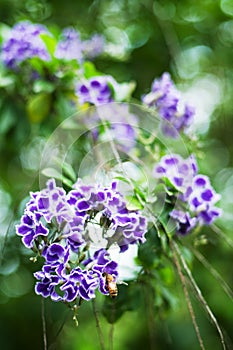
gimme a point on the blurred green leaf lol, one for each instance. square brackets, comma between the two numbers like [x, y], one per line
[53, 173]
[133, 203]
[38, 107]
[50, 43]
[90, 70]
[69, 171]
[8, 118]
[122, 178]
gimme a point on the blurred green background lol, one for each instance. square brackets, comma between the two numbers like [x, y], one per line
[191, 40]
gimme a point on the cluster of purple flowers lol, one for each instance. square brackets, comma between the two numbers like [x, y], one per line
[61, 226]
[94, 46]
[70, 46]
[122, 124]
[96, 90]
[24, 42]
[196, 197]
[62, 282]
[175, 114]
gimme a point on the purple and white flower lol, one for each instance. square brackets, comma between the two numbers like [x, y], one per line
[59, 227]
[176, 115]
[96, 90]
[184, 223]
[178, 171]
[195, 196]
[94, 46]
[24, 42]
[69, 46]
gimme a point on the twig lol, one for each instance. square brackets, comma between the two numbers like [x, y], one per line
[222, 235]
[53, 342]
[111, 333]
[43, 324]
[150, 315]
[199, 294]
[186, 294]
[171, 39]
[99, 330]
[214, 273]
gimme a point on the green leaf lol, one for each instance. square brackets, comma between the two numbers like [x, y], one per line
[50, 43]
[162, 188]
[38, 107]
[37, 64]
[122, 178]
[90, 70]
[139, 192]
[170, 184]
[53, 173]
[69, 171]
[133, 203]
[8, 117]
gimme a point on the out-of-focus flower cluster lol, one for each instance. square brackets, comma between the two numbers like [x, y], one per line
[121, 124]
[195, 197]
[65, 228]
[176, 116]
[96, 90]
[71, 47]
[25, 42]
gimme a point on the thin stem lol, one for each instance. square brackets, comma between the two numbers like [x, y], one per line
[111, 333]
[214, 273]
[43, 324]
[99, 330]
[186, 294]
[170, 38]
[53, 342]
[150, 314]
[199, 294]
[222, 235]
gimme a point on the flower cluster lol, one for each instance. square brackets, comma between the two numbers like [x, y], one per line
[96, 90]
[107, 207]
[62, 282]
[70, 46]
[120, 125]
[177, 170]
[62, 226]
[94, 46]
[176, 115]
[24, 42]
[195, 199]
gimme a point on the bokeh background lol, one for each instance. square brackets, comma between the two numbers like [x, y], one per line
[194, 42]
